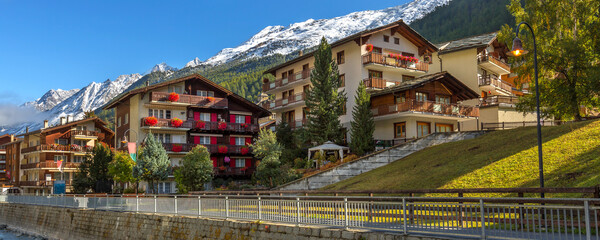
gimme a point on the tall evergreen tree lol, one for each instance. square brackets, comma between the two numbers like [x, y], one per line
[363, 125]
[324, 101]
[153, 164]
[93, 172]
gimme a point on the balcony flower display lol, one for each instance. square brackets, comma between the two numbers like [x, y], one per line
[369, 47]
[226, 160]
[177, 148]
[200, 124]
[403, 58]
[222, 149]
[222, 168]
[222, 126]
[244, 150]
[245, 169]
[75, 147]
[176, 122]
[173, 97]
[210, 99]
[150, 121]
[244, 125]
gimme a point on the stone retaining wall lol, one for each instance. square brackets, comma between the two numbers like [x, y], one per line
[66, 223]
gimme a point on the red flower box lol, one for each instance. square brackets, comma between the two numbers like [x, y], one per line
[177, 148]
[176, 122]
[150, 121]
[369, 47]
[244, 168]
[244, 125]
[244, 150]
[222, 126]
[173, 97]
[200, 124]
[222, 168]
[210, 99]
[222, 149]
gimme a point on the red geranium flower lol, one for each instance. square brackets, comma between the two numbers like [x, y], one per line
[222, 149]
[244, 150]
[222, 125]
[150, 121]
[177, 148]
[210, 99]
[176, 122]
[173, 97]
[369, 47]
[200, 124]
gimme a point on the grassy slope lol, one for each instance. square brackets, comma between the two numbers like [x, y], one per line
[498, 159]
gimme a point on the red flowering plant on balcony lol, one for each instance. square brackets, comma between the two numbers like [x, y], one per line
[222, 168]
[173, 97]
[150, 121]
[200, 124]
[177, 148]
[244, 125]
[210, 99]
[244, 150]
[403, 58]
[245, 169]
[369, 47]
[222, 149]
[222, 126]
[176, 122]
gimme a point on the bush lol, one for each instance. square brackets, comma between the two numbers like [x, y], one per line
[350, 158]
[332, 159]
[299, 163]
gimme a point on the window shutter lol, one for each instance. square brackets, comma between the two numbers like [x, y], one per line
[248, 140]
[213, 117]
[232, 140]
[248, 162]
[213, 140]
[214, 160]
[196, 116]
[232, 118]
[232, 163]
[248, 119]
[196, 139]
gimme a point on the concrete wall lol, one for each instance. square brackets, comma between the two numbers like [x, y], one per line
[62, 223]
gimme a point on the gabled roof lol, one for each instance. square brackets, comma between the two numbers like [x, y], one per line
[363, 36]
[114, 102]
[468, 42]
[95, 119]
[457, 87]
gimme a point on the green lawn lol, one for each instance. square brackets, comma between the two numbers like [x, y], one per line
[499, 159]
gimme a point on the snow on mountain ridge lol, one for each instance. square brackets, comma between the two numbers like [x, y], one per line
[161, 67]
[50, 99]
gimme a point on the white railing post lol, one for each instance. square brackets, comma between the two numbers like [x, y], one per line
[155, 204]
[404, 216]
[346, 212]
[175, 200]
[226, 207]
[137, 203]
[259, 209]
[588, 233]
[298, 210]
[482, 219]
[199, 206]
[107, 201]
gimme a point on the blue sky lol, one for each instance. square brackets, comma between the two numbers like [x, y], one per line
[68, 44]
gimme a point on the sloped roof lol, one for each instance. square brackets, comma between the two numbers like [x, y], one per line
[399, 25]
[457, 87]
[95, 119]
[468, 42]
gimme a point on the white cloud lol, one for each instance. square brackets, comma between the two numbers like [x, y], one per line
[11, 114]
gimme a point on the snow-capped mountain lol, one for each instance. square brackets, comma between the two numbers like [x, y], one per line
[161, 67]
[285, 40]
[193, 63]
[51, 99]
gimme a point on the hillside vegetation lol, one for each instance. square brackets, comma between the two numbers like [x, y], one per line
[499, 159]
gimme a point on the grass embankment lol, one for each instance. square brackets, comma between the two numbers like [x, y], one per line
[500, 159]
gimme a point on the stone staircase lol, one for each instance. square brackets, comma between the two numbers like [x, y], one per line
[375, 160]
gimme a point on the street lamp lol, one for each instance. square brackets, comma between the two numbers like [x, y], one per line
[517, 50]
[131, 154]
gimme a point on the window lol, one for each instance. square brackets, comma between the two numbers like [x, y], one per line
[342, 80]
[283, 75]
[423, 129]
[340, 57]
[397, 40]
[240, 141]
[204, 93]
[163, 137]
[240, 162]
[59, 157]
[126, 118]
[205, 117]
[305, 88]
[375, 74]
[400, 99]
[421, 97]
[344, 108]
[440, 127]
[400, 130]
[160, 113]
[408, 54]
[386, 38]
[61, 141]
[78, 159]
[177, 89]
[82, 128]
[240, 118]
[203, 139]
[442, 99]
[79, 142]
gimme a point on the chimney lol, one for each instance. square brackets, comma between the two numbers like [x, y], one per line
[301, 53]
[148, 83]
[45, 123]
[62, 120]
[27, 129]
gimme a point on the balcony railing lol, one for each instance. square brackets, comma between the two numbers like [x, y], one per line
[166, 123]
[245, 171]
[282, 102]
[56, 147]
[305, 74]
[212, 148]
[208, 126]
[429, 107]
[86, 133]
[490, 58]
[495, 100]
[380, 58]
[494, 81]
[42, 183]
[378, 83]
[208, 102]
[49, 164]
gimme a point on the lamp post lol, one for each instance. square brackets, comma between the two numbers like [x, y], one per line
[517, 50]
[124, 141]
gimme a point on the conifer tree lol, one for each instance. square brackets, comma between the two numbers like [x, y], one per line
[363, 125]
[197, 169]
[324, 101]
[153, 164]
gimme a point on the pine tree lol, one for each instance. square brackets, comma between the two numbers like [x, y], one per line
[153, 164]
[323, 100]
[363, 125]
[102, 156]
[196, 170]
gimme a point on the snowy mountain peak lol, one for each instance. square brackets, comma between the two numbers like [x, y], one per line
[161, 67]
[51, 99]
[193, 63]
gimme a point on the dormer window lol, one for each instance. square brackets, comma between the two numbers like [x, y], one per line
[397, 40]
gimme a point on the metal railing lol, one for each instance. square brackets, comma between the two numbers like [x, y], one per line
[303, 75]
[485, 218]
[426, 106]
[511, 125]
[201, 101]
[282, 102]
[495, 100]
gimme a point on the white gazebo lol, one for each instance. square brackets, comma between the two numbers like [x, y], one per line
[328, 147]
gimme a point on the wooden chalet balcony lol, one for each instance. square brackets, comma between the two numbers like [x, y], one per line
[212, 148]
[86, 133]
[495, 100]
[493, 83]
[296, 77]
[426, 107]
[208, 126]
[378, 83]
[57, 148]
[382, 59]
[283, 102]
[50, 165]
[227, 171]
[491, 62]
[198, 101]
[166, 123]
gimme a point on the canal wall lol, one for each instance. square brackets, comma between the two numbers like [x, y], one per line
[68, 223]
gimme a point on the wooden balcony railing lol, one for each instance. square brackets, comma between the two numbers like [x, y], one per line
[49, 164]
[380, 58]
[212, 148]
[227, 171]
[86, 133]
[56, 147]
[495, 100]
[282, 102]
[42, 183]
[378, 83]
[494, 81]
[208, 126]
[208, 102]
[305, 74]
[493, 59]
[430, 107]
